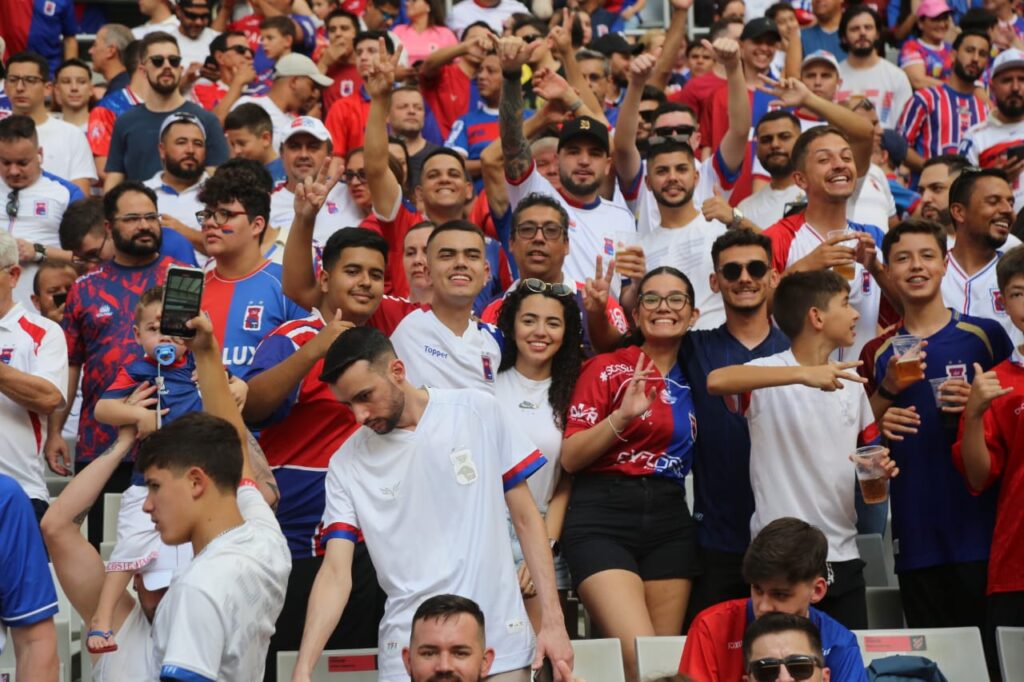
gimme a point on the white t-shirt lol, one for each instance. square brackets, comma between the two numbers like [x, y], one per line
[217, 617]
[872, 202]
[766, 206]
[337, 212]
[979, 294]
[688, 248]
[194, 51]
[526, 405]
[801, 439]
[36, 346]
[435, 356]
[169, 25]
[643, 204]
[468, 12]
[884, 84]
[281, 120]
[182, 206]
[133, 659]
[66, 152]
[984, 142]
[591, 228]
[434, 497]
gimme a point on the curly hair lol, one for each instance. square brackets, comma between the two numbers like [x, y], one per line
[565, 365]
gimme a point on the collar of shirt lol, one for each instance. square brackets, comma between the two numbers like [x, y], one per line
[10, 320]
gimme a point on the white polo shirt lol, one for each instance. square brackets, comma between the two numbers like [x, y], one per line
[217, 617]
[767, 206]
[282, 121]
[435, 356]
[32, 344]
[591, 227]
[66, 152]
[430, 504]
[180, 205]
[801, 439]
[688, 248]
[978, 294]
[337, 212]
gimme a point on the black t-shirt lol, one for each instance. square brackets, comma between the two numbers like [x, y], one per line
[133, 144]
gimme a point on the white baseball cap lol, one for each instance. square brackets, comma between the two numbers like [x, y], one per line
[821, 56]
[310, 126]
[295, 64]
[1011, 58]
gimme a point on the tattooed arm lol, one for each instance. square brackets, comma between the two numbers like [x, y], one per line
[512, 52]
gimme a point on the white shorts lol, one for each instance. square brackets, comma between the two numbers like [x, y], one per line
[138, 542]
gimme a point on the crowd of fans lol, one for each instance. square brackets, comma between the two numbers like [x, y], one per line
[482, 287]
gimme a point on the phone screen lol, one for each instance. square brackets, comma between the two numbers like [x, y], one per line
[183, 293]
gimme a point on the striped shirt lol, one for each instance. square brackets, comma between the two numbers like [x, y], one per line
[936, 119]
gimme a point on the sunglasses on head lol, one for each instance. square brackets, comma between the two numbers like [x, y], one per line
[733, 271]
[538, 286]
[158, 61]
[800, 667]
[865, 105]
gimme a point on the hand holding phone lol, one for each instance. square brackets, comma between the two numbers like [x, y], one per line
[183, 294]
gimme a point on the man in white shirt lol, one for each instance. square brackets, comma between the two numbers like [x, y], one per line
[183, 153]
[33, 381]
[193, 33]
[776, 133]
[864, 72]
[492, 12]
[305, 147]
[161, 18]
[35, 200]
[430, 472]
[217, 617]
[65, 150]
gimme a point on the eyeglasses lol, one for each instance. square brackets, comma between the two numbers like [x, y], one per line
[157, 60]
[652, 301]
[220, 216]
[13, 204]
[551, 231]
[92, 255]
[351, 175]
[539, 287]
[800, 667]
[131, 219]
[241, 49]
[194, 16]
[733, 271]
[13, 81]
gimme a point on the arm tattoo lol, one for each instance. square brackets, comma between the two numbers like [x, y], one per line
[513, 141]
[261, 470]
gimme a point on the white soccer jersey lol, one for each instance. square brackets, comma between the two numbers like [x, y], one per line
[643, 204]
[865, 294]
[282, 120]
[525, 402]
[133, 659]
[66, 152]
[985, 142]
[217, 617]
[435, 356]
[688, 248]
[978, 295]
[35, 345]
[801, 440]
[767, 206]
[194, 51]
[872, 202]
[434, 497]
[591, 228]
[468, 12]
[885, 85]
[169, 25]
[337, 212]
[182, 206]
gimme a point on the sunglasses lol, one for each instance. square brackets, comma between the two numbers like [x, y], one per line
[865, 105]
[351, 175]
[158, 61]
[195, 16]
[800, 667]
[648, 116]
[673, 131]
[13, 204]
[537, 286]
[733, 271]
[243, 50]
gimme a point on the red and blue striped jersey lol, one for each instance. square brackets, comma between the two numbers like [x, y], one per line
[937, 61]
[38, 25]
[936, 119]
[657, 443]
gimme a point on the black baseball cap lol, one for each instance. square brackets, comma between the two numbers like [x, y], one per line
[614, 43]
[759, 28]
[584, 126]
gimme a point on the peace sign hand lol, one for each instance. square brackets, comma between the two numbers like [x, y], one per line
[596, 288]
[381, 77]
[636, 398]
[312, 192]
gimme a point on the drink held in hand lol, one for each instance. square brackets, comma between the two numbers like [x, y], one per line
[871, 475]
[846, 270]
[907, 349]
[908, 368]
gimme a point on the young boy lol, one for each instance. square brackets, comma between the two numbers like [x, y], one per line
[785, 566]
[802, 437]
[277, 36]
[250, 133]
[940, 556]
[990, 447]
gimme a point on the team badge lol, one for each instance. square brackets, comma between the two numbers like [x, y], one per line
[998, 305]
[956, 371]
[865, 281]
[6, 354]
[609, 246]
[253, 318]
[49, 8]
[41, 208]
[347, 88]
[488, 370]
[463, 466]
[332, 207]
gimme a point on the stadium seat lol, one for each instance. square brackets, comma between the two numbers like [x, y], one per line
[598, 660]
[106, 548]
[1010, 642]
[885, 608]
[111, 505]
[658, 656]
[957, 651]
[63, 621]
[878, 572]
[343, 665]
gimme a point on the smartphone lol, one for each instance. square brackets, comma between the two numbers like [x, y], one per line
[60, 299]
[545, 673]
[183, 293]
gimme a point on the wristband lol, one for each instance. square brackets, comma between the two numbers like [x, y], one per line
[618, 434]
[247, 482]
[892, 397]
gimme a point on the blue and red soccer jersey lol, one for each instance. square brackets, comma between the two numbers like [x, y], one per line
[935, 519]
[98, 321]
[40, 26]
[657, 443]
[245, 310]
[103, 115]
[936, 119]
[937, 61]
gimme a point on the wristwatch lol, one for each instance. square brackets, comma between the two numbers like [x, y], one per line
[40, 252]
[737, 218]
[556, 547]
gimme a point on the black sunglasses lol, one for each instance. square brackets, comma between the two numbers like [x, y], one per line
[672, 131]
[800, 667]
[241, 49]
[648, 116]
[195, 16]
[158, 61]
[538, 286]
[733, 271]
[13, 204]
[351, 175]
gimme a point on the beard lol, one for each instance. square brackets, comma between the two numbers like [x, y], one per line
[163, 88]
[1011, 110]
[662, 200]
[994, 242]
[576, 188]
[389, 422]
[862, 50]
[131, 245]
[778, 169]
[963, 74]
[178, 170]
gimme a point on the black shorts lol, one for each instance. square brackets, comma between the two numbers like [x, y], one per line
[634, 523]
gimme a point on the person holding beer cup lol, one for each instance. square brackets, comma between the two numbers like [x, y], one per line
[942, 552]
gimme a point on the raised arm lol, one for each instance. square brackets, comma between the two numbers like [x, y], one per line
[561, 39]
[297, 277]
[737, 379]
[437, 59]
[626, 155]
[674, 36]
[733, 146]
[973, 445]
[384, 187]
[515, 148]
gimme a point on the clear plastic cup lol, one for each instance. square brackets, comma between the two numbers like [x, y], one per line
[950, 420]
[907, 349]
[847, 270]
[871, 475]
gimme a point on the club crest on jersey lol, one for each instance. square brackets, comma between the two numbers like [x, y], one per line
[998, 305]
[956, 371]
[667, 397]
[6, 355]
[865, 281]
[347, 88]
[609, 246]
[49, 8]
[332, 207]
[488, 370]
[253, 318]
[583, 412]
[41, 208]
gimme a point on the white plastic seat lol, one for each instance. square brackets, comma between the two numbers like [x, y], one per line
[658, 656]
[957, 651]
[598, 660]
[1010, 643]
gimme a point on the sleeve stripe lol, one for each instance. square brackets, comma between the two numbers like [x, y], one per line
[176, 672]
[339, 530]
[522, 471]
[16, 620]
[870, 435]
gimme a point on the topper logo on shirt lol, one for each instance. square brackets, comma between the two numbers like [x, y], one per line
[488, 370]
[253, 318]
[41, 208]
[6, 354]
[998, 305]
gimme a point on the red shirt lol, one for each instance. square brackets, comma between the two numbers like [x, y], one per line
[394, 232]
[346, 83]
[346, 121]
[1005, 440]
[447, 95]
[697, 92]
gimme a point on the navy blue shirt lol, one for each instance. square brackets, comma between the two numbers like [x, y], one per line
[722, 499]
[816, 38]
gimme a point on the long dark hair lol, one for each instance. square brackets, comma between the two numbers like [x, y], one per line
[636, 337]
[565, 365]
